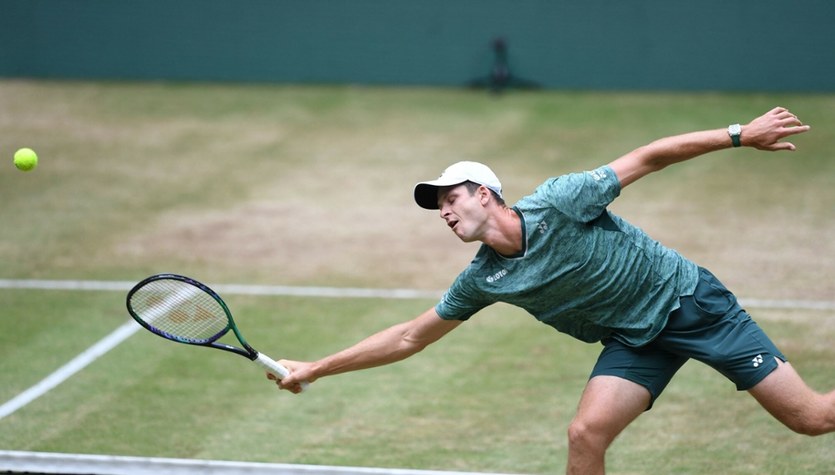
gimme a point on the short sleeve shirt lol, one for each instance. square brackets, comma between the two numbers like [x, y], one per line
[583, 271]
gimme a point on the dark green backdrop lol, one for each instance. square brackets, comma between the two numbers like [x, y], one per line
[770, 45]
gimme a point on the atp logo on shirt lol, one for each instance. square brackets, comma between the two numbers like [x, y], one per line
[498, 275]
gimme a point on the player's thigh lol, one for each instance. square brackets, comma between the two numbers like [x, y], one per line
[785, 395]
[608, 405]
[624, 383]
[648, 367]
[710, 326]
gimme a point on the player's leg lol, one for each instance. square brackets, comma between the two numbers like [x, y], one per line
[710, 326]
[608, 405]
[624, 383]
[787, 397]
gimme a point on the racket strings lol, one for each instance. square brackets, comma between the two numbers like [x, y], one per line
[180, 310]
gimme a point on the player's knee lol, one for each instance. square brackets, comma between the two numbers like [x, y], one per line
[585, 437]
[576, 435]
[812, 421]
[808, 425]
[804, 428]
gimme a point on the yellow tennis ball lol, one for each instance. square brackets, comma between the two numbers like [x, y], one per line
[25, 159]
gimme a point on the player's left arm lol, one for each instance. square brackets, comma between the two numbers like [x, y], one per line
[764, 133]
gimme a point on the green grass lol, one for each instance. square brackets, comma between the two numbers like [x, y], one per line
[312, 186]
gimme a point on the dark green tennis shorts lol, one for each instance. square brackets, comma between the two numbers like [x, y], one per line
[711, 327]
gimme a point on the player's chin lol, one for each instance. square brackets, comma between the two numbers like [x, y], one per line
[465, 237]
[458, 231]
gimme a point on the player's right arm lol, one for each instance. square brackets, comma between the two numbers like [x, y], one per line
[388, 346]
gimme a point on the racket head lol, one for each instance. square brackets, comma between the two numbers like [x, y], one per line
[182, 309]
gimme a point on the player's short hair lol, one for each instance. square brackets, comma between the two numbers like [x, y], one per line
[473, 186]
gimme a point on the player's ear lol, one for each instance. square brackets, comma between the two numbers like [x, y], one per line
[484, 195]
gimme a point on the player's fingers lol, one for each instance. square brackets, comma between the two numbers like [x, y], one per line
[790, 121]
[293, 387]
[783, 116]
[781, 112]
[282, 385]
[782, 146]
[798, 129]
[791, 130]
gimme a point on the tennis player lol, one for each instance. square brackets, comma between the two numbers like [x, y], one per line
[560, 255]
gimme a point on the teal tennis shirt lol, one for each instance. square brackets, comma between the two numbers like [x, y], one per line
[584, 271]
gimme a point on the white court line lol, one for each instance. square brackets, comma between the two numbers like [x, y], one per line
[91, 354]
[228, 289]
[342, 292]
[63, 373]
[44, 462]
[128, 329]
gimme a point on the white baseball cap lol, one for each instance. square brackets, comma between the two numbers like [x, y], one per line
[426, 192]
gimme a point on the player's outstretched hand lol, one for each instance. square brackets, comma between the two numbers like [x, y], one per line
[767, 131]
[292, 382]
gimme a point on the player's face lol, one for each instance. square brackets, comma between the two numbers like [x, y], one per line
[463, 212]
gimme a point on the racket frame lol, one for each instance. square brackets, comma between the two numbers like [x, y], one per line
[262, 360]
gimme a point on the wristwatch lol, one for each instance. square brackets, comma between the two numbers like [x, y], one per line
[735, 130]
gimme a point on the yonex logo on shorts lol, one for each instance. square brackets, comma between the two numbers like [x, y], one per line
[758, 360]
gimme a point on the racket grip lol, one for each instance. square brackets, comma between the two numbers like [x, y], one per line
[271, 366]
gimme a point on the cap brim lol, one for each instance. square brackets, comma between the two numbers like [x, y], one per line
[426, 195]
[426, 192]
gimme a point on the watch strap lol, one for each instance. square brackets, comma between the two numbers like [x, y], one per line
[734, 131]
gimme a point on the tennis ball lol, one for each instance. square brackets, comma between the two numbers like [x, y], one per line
[25, 159]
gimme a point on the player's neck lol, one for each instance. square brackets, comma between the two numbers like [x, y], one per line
[505, 236]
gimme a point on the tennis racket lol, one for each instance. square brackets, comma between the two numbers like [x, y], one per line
[184, 310]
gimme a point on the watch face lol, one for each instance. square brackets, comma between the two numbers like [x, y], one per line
[734, 129]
